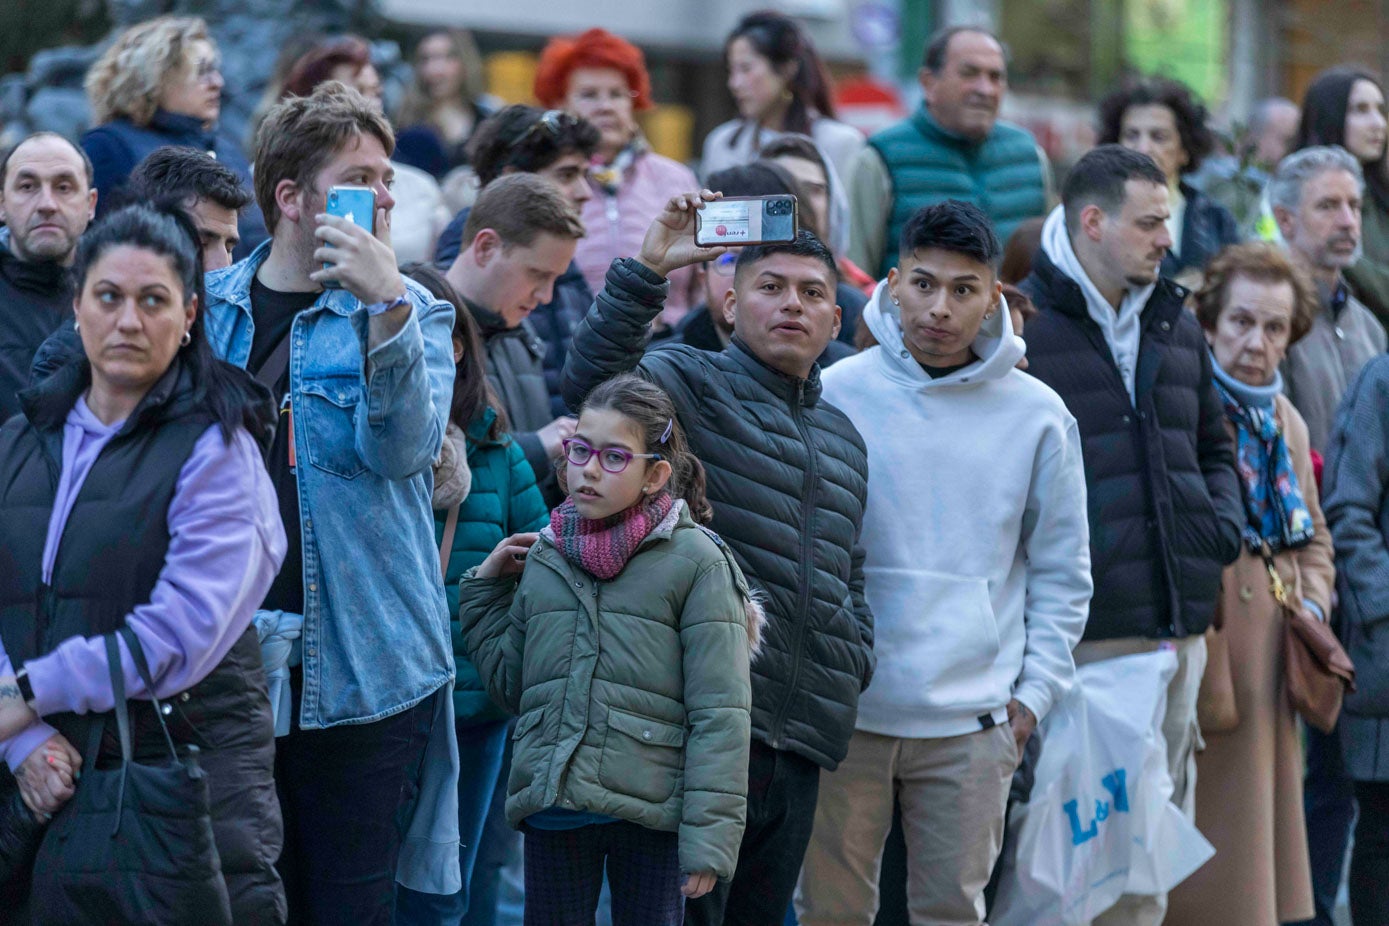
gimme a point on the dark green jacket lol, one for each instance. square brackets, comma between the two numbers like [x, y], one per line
[1003, 175]
[503, 500]
[633, 694]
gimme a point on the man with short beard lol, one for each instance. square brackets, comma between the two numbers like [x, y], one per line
[46, 201]
[1115, 341]
[1316, 196]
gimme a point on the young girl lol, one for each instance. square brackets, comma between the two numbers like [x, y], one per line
[625, 650]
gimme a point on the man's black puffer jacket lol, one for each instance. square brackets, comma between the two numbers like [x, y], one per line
[1165, 504]
[788, 479]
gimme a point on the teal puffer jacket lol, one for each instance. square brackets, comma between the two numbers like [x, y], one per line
[503, 500]
[633, 694]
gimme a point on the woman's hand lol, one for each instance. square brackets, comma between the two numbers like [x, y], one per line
[698, 884]
[669, 243]
[48, 777]
[15, 715]
[509, 557]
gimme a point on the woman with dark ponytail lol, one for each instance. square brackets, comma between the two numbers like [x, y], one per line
[635, 628]
[134, 498]
[781, 86]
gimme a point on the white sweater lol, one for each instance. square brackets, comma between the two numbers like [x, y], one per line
[977, 543]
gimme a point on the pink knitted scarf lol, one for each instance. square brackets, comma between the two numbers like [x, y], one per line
[602, 547]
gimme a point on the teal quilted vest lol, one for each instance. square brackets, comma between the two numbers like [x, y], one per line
[1002, 176]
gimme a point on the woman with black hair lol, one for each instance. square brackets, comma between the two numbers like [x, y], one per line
[1345, 106]
[780, 85]
[133, 495]
[1162, 119]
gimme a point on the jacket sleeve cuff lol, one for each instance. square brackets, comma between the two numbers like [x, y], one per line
[1035, 698]
[20, 746]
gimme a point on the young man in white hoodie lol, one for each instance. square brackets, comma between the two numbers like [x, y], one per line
[977, 569]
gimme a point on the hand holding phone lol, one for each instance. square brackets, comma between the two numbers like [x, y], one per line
[356, 204]
[744, 220]
[669, 243]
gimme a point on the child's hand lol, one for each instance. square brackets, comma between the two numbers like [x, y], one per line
[509, 558]
[698, 884]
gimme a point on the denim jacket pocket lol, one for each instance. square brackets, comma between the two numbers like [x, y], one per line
[330, 425]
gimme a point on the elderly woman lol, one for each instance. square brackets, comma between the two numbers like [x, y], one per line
[160, 83]
[780, 85]
[602, 79]
[1163, 120]
[132, 491]
[1253, 305]
[1345, 106]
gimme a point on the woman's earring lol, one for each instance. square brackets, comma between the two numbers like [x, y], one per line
[75, 325]
[186, 339]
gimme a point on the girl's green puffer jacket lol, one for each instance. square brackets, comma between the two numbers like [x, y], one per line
[633, 694]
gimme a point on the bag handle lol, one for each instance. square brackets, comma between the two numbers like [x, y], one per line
[137, 653]
[113, 663]
[446, 545]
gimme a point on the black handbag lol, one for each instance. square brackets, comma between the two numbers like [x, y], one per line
[134, 845]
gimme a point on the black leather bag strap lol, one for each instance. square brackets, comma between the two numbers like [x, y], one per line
[137, 653]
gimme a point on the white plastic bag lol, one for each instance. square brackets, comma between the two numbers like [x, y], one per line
[1099, 823]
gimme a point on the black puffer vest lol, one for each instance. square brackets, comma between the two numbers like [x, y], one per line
[110, 556]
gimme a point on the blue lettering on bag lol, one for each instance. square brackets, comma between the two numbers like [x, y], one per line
[1116, 784]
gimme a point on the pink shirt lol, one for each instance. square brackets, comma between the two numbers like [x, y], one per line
[616, 226]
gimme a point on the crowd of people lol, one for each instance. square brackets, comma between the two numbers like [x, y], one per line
[511, 557]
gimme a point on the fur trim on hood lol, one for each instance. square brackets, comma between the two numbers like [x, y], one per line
[757, 619]
[452, 477]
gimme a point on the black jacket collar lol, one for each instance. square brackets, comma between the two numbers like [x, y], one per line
[789, 388]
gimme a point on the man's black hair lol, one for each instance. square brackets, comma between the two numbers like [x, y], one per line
[805, 245]
[527, 139]
[1098, 179]
[938, 48]
[86, 161]
[954, 226]
[179, 174]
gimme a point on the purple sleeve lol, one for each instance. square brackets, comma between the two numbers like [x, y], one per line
[18, 747]
[226, 545]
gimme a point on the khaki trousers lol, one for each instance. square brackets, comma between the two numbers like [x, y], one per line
[953, 793]
[1183, 738]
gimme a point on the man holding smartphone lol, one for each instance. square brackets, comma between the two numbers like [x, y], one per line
[787, 475]
[364, 374]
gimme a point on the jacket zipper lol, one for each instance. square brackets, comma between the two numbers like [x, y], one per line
[807, 569]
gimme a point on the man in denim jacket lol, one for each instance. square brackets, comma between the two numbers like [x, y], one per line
[363, 375]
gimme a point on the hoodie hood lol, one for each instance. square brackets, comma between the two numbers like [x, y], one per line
[997, 348]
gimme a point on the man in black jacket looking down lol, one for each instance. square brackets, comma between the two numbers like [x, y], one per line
[787, 475]
[1113, 339]
[46, 202]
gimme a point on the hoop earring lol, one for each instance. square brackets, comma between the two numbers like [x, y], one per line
[186, 339]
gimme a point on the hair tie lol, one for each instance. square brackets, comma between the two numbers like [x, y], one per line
[665, 435]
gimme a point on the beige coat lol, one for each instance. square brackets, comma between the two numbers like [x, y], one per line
[1249, 780]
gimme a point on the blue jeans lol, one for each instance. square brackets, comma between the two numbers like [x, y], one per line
[1328, 797]
[480, 749]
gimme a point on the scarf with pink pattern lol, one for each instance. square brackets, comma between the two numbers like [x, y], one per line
[601, 547]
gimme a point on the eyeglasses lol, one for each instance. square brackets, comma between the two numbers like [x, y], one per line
[613, 459]
[554, 121]
[724, 264]
[206, 68]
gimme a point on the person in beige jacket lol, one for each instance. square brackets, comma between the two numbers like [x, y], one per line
[1253, 305]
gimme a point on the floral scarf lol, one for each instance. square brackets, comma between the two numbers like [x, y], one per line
[609, 176]
[602, 547]
[1274, 509]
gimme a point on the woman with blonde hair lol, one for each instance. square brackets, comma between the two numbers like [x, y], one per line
[443, 104]
[160, 83]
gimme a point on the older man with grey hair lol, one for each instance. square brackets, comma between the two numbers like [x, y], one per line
[1316, 196]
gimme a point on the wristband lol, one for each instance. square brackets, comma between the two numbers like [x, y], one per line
[26, 689]
[380, 308]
